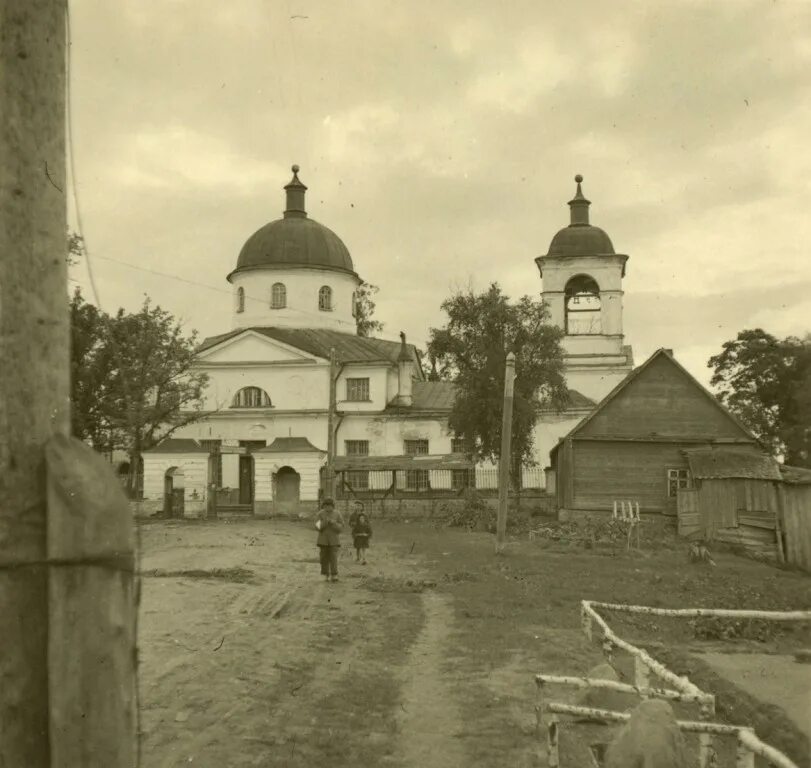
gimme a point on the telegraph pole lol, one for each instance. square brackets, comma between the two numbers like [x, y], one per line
[67, 668]
[504, 460]
[329, 490]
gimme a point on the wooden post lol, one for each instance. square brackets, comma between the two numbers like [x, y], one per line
[329, 490]
[34, 347]
[67, 669]
[504, 459]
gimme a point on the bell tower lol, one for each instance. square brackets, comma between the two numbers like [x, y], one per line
[582, 288]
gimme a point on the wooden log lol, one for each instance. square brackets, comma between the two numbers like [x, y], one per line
[34, 360]
[92, 617]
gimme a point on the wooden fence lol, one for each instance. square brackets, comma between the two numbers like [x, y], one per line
[796, 522]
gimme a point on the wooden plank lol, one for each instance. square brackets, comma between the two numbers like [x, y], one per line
[758, 522]
[91, 644]
[662, 401]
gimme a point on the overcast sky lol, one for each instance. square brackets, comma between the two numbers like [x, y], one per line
[439, 140]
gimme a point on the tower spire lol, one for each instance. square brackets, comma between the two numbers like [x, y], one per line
[295, 197]
[579, 206]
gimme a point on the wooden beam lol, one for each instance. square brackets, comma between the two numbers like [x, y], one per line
[34, 362]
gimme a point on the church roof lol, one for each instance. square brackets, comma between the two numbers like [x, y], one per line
[295, 240]
[177, 445]
[290, 445]
[580, 238]
[318, 341]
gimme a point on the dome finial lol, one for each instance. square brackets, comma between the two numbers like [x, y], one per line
[295, 196]
[579, 206]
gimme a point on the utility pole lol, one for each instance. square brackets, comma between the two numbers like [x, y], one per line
[329, 490]
[67, 668]
[504, 460]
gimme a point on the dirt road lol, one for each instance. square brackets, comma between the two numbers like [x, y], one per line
[423, 658]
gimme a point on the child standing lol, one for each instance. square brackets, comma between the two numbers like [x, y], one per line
[361, 533]
[329, 525]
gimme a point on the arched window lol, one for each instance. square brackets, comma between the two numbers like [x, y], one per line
[325, 298]
[251, 397]
[240, 299]
[582, 297]
[354, 303]
[278, 296]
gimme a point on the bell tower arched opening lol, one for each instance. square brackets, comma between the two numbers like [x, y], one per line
[582, 306]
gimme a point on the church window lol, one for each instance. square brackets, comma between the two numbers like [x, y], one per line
[357, 390]
[251, 397]
[325, 298]
[354, 304]
[583, 315]
[358, 479]
[240, 299]
[278, 296]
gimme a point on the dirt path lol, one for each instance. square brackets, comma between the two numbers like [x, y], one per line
[429, 720]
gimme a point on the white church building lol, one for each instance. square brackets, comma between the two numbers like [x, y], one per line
[263, 446]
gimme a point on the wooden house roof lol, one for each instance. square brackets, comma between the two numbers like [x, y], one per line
[795, 475]
[728, 463]
[742, 434]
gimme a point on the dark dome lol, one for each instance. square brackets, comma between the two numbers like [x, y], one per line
[580, 240]
[294, 241]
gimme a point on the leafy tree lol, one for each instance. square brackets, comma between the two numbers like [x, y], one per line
[471, 351]
[133, 378]
[766, 383]
[91, 366]
[364, 309]
[75, 248]
[154, 388]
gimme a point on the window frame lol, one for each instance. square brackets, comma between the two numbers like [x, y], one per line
[682, 479]
[353, 381]
[263, 398]
[325, 303]
[578, 286]
[275, 302]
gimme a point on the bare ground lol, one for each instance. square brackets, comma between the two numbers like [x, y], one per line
[422, 658]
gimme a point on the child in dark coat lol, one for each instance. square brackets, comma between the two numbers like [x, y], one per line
[361, 533]
[329, 525]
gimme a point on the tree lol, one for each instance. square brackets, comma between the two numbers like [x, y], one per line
[154, 388]
[76, 248]
[91, 366]
[471, 351]
[133, 381]
[766, 383]
[364, 309]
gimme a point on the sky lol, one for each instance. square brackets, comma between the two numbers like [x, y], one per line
[440, 139]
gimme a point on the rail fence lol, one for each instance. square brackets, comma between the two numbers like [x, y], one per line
[433, 481]
[681, 689]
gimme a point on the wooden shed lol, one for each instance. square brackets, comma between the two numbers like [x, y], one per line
[631, 447]
[735, 499]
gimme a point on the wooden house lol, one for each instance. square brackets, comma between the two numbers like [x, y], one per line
[632, 446]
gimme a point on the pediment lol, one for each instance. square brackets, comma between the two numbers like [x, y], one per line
[252, 347]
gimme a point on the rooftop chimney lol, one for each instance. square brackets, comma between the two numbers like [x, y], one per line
[405, 364]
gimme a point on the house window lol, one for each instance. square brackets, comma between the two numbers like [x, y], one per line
[357, 390]
[677, 478]
[251, 397]
[240, 299]
[458, 445]
[325, 298]
[354, 304]
[583, 306]
[417, 479]
[278, 296]
[358, 479]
